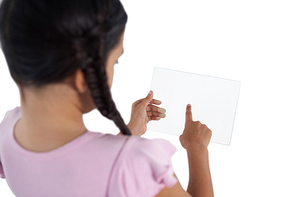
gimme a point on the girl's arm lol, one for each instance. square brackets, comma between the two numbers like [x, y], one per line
[195, 140]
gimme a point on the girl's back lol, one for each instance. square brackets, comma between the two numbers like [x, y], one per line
[93, 164]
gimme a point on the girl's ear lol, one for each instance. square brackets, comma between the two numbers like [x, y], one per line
[79, 81]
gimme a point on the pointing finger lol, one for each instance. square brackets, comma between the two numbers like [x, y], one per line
[188, 113]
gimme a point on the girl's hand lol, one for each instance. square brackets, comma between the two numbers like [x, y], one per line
[143, 111]
[195, 135]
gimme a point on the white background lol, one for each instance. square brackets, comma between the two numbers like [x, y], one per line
[251, 41]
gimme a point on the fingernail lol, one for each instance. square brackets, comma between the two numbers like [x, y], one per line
[162, 115]
[157, 101]
[189, 105]
[158, 118]
[150, 92]
[161, 110]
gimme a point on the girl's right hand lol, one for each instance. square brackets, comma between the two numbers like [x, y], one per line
[195, 135]
[195, 139]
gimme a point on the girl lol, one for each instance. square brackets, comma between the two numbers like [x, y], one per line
[61, 54]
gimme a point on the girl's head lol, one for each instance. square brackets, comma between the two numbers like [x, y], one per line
[45, 42]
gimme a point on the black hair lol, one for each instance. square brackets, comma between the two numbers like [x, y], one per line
[46, 41]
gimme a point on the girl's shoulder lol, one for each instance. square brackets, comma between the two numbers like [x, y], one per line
[143, 168]
[144, 146]
[135, 145]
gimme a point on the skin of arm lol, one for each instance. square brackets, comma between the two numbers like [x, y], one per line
[200, 182]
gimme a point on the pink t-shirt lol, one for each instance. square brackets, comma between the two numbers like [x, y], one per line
[93, 164]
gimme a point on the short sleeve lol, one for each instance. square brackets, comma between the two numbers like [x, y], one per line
[143, 169]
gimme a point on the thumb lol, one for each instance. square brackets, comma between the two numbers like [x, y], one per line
[147, 100]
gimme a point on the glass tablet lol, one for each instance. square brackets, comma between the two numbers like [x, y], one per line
[214, 102]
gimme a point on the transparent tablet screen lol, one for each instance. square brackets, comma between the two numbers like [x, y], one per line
[213, 101]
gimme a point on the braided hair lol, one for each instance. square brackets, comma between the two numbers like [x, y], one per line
[46, 41]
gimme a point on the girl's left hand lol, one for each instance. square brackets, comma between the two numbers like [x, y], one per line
[143, 111]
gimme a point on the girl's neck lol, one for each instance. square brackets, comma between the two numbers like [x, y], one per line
[49, 119]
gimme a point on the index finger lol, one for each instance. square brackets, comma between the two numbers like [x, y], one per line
[188, 113]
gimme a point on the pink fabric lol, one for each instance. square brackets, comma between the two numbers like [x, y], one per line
[93, 164]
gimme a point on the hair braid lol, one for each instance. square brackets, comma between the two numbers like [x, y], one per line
[93, 49]
[96, 77]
